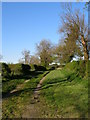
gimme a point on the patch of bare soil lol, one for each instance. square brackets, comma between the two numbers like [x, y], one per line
[19, 87]
[37, 106]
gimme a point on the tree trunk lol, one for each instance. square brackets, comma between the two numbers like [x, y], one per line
[86, 54]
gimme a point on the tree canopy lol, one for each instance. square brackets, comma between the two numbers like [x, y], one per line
[44, 50]
[75, 31]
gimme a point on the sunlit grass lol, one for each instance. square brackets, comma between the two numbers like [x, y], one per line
[67, 92]
[14, 104]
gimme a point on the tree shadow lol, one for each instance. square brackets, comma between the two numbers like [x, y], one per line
[16, 93]
[31, 74]
[57, 81]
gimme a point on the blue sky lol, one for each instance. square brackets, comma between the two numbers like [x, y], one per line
[25, 24]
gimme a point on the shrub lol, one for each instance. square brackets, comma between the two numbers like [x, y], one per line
[61, 66]
[35, 67]
[16, 69]
[32, 67]
[73, 65]
[52, 68]
[55, 65]
[6, 71]
[87, 69]
[19, 69]
[39, 68]
[82, 68]
[26, 69]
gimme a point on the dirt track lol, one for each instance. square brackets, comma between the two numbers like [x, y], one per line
[34, 109]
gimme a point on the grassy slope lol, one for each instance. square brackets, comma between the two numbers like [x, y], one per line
[14, 104]
[66, 92]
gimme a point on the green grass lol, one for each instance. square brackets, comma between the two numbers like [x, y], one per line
[66, 93]
[14, 104]
[10, 85]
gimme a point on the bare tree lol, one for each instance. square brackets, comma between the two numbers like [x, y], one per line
[44, 52]
[34, 60]
[66, 52]
[26, 57]
[74, 25]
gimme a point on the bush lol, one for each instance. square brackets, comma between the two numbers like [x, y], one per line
[20, 69]
[35, 67]
[39, 68]
[16, 69]
[32, 67]
[80, 67]
[73, 65]
[55, 65]
[6, 71]
[26, 69]
[52, 68]
[87, 69]
[61, 66]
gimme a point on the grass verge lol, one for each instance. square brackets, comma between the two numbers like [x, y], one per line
[14, 103]
[66, 94]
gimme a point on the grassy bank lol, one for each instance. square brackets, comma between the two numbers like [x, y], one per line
[66, 92]
[14, 103]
